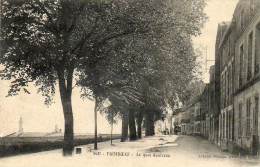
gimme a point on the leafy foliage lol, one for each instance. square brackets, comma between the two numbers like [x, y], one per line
[136, 53]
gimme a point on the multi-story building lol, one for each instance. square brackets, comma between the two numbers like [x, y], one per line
[182, 119]
[247, 75]
[212, 115]
[192, 118]
[237, 75]
[222, 28]
[227, 112]
[186, 128]
[226, 54]
[232, 117]
[204, 111]
[196, 120]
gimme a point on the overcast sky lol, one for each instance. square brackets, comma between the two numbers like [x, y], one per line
[217, 11]
[39, 118]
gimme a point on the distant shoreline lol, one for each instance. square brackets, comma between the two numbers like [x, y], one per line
[11, 146]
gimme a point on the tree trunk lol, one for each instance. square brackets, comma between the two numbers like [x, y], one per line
[149, 123]
[139, 124]
[68, 132]
[132, 126]
[65, 87]
[124, 134]
[95, 120]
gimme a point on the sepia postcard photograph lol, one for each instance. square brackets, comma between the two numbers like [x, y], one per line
[130, 83]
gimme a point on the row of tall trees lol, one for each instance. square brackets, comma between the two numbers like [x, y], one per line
[137, 54]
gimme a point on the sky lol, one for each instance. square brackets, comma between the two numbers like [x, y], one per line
[217, 12]
[39, 118]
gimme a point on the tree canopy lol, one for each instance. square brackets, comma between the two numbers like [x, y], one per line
[137, 50]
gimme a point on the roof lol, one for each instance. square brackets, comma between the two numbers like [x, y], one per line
[223, 30]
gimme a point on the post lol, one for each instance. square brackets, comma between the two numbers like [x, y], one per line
[95, 120]
[111, 135]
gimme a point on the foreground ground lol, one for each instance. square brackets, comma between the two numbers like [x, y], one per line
[166, 151]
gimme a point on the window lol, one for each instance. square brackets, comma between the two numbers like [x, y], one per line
[229, 47]
[226, 90]
[229, 84]
[241, 58]
[248, 116]
[222, 91]
[223, 57]
[230, 124]
[223, 126]
[232, 79]
[255, 116]
[249, 59]
[242, 20]
[257, 49]
[227, 124]
[240, 120]
[233, 122]
[226, 93]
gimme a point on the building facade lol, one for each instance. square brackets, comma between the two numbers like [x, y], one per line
[226, 53]
[247, 75]
[204, 111]
[237, 60]
[227, 112]
[212, 119]
[192, 118]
